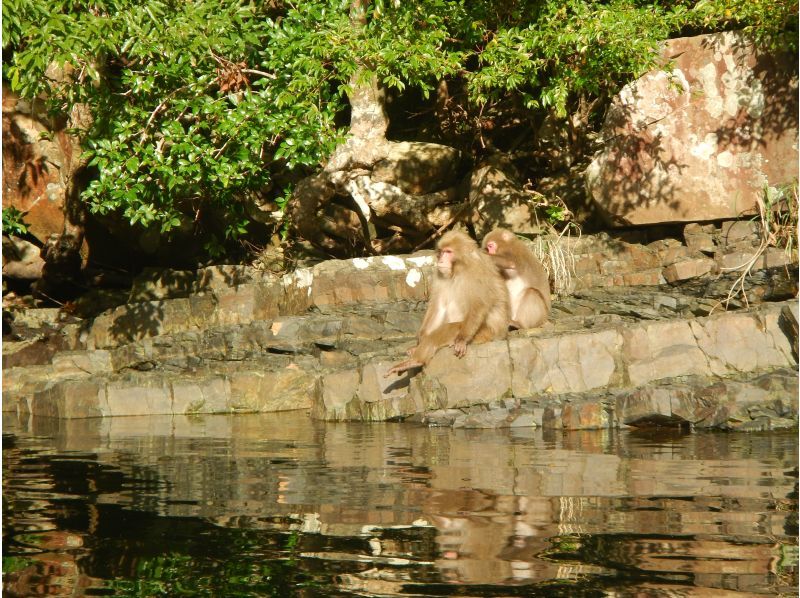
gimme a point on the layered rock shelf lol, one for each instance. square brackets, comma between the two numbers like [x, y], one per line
[639, 337]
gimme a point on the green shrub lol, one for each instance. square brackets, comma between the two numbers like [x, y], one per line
[197, 105]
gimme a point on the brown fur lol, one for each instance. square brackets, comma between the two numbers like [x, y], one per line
[526, 278]
[468, 302]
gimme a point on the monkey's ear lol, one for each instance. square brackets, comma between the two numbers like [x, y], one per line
[507, 235]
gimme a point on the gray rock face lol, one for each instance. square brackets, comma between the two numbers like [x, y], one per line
[499, 202]
[257, 387]
[702, 140]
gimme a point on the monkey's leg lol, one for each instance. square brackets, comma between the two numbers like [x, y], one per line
[408, 364]
[420, 355]
[484, 335]
[531, 311]
[444, 336]
[469, 329]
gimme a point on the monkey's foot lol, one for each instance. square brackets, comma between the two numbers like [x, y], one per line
[460, 348]
[408, 364]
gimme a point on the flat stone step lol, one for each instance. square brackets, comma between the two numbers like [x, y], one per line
[546, 377]
[539, 363]
[346, 330]
[332, 283]
[182, 332]
[752, 402]
[280, 384]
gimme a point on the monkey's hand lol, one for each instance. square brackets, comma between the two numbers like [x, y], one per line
[459, 347]
[408, 364]
[503, 262]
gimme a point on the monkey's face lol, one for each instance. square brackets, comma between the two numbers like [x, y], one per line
[444, 261]
[491, 247]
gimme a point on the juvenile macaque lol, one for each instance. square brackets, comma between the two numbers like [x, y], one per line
[526, 278]
[468, 302]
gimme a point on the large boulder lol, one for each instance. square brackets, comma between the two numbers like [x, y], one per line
[498, 200]
[38, 161]
[21, 259]
[417, 167]
[701, 139]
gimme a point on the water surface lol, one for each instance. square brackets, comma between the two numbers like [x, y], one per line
[278, 505]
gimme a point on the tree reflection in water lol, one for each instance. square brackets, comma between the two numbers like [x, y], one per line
[273, 505]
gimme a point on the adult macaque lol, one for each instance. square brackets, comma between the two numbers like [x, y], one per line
[468, 302]
[525, 277]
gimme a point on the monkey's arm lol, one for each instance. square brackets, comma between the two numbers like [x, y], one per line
[503, 262]
[427, 320]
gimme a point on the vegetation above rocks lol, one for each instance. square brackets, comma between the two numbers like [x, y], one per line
[204, 115]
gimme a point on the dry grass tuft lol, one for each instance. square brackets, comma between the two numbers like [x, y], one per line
[778, 221]
[555, 253]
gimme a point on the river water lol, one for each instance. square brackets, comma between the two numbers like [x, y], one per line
[277, 505]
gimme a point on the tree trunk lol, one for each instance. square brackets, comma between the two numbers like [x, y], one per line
[395, 208]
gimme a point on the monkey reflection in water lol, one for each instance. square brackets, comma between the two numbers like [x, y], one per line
[468, 302]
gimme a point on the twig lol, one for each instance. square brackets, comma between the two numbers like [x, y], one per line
[158, 109]
[748, 264]
[225, 63]
[261, 73]
[46, 296]
[438, 232]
